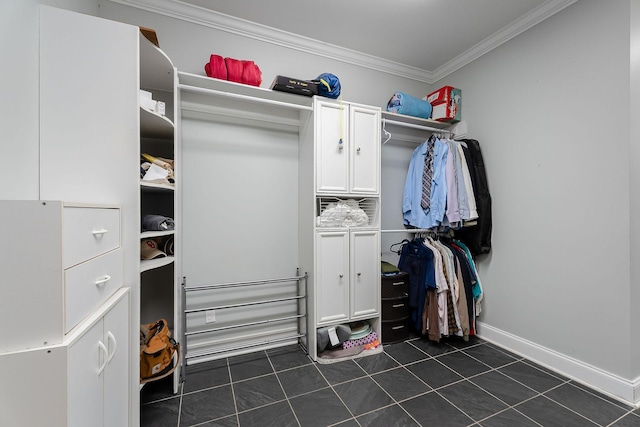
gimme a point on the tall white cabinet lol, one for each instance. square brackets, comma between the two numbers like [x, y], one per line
[71, 273]
[340, 169]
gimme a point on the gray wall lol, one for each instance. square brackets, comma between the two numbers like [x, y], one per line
[555, 112]
[551, 108]
[189, 47]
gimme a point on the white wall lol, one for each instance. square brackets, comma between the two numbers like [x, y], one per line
[19, 39]
[551, 110]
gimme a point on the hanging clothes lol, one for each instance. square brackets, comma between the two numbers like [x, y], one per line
[478, 237]
[412, 211]
[444, 288]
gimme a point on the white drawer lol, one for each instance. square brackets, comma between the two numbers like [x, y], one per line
[89, 284]
[88, 232]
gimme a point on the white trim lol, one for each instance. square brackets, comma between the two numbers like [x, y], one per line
[626, 391]
[517, 27]
[201, 16]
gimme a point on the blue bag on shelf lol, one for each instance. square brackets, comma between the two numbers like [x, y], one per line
[401, 103]
[328, 85]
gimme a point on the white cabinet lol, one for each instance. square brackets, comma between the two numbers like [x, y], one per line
[348, 147]
[99, 375]
[347, 284]
[84, 381]
[78, 258]
[339, 203]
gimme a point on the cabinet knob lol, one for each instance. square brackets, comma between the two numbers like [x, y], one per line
[359, 274]
[340, 147]
[340, 275]
[358, 149]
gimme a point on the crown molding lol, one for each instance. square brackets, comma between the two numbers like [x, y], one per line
[517, 27]
[201, 16]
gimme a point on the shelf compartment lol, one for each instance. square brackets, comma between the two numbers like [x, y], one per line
[334, 212]
[152, 264]
[154, 125]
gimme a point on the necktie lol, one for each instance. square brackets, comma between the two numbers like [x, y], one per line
[427, 175]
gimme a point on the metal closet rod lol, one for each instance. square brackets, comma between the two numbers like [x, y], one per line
[196, 89]
[409, 230]
[411, 125]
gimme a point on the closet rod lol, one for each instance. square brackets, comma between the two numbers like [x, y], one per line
[246, 304]
[261, 322]
[236, 284]
[409, 230]
[411, 125]
[240, 347]
[196, 89]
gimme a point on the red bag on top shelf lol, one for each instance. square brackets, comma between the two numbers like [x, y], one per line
[234, 69]
[251, 74]
[216, 67]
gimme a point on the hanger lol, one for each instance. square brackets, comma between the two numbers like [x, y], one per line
[398, 251]
[386, 132]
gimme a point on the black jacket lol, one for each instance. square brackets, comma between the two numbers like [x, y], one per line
[477, 237]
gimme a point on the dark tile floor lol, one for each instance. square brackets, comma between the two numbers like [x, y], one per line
[413, 383]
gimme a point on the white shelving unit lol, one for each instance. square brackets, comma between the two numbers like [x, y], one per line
[159, 285]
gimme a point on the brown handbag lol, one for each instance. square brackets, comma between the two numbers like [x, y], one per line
[157, 351]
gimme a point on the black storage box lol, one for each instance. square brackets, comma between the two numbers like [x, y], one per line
[297, 86]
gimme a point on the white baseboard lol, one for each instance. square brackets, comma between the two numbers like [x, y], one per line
[627, 391]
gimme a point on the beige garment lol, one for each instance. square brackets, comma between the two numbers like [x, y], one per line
[462, 307]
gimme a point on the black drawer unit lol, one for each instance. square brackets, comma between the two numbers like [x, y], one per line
[395, 308]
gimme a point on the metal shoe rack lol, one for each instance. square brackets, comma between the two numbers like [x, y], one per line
[300, 296]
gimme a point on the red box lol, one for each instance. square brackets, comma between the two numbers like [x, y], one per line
[447, 104]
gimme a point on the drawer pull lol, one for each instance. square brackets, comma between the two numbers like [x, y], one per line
[397, 305]
[398, 327]
[112, 338]
[102, 348]
[104, 280]
[397, 283]
[100, 232]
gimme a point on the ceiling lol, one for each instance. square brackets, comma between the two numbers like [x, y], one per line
[420, 39]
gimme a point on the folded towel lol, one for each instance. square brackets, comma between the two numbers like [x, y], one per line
[408, 105]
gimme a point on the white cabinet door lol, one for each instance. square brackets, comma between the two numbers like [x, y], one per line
[332, 158]
[116, 374]
[98, 371]
[364, 149]
[85, 365]
[88, 108]
[365, 274]
[332, 276]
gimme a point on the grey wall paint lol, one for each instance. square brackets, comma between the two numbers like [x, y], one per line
[634, 163]
[551, 110]
[189, 47]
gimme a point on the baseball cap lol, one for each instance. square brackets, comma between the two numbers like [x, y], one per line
[149, 249]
